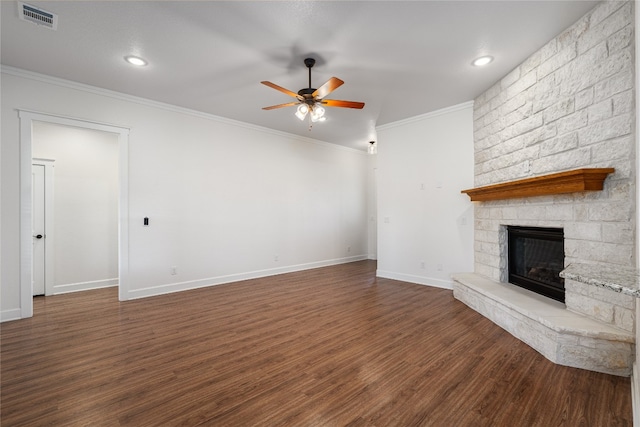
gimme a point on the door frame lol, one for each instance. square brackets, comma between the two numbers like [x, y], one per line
[26, 210]
[49, 236]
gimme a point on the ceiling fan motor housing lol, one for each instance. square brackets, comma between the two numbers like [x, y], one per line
[307, 93]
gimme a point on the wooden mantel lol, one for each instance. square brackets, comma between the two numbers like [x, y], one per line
[556, 183]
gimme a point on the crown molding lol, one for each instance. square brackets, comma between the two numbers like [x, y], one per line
[432, 114]
[18, 72]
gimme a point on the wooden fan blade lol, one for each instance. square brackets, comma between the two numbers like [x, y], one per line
[288, 104]
[283, 90]
[332, 84]
[343, 104]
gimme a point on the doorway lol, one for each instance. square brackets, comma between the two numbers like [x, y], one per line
[85, 207]
[27, 120]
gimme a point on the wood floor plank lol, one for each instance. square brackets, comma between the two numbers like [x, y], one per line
[334, 346]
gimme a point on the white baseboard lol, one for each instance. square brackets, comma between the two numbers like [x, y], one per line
[635, 394]
[84, 286]
[420, 280]
[13, 314]
[212, 281]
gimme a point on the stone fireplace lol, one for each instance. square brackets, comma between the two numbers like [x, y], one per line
[588, 327]
[567, 107]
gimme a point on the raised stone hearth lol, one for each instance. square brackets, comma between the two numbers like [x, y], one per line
[562, 336]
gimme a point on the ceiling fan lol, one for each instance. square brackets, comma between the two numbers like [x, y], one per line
[310, 100]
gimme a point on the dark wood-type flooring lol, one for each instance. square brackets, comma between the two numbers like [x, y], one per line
[326, 347]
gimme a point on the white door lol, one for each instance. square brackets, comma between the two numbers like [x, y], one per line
[38, 228]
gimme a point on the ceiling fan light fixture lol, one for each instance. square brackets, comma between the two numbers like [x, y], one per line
[317, 114]
[301, 111]
[482, 61]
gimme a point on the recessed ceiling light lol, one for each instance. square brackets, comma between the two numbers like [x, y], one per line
[134, 60]
[483, 60]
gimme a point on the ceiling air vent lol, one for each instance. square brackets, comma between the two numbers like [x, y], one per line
[37, 16]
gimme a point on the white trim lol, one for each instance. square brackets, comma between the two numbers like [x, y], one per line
[26, 255]
[123, 216]
[635, 394]
[72, 121]
[84, 286]
[637, 135]
[635, 376]
[212, 281]
[440, 112]
[420, 280]
[164, 106]
[49, 235]
[13, 314]
[26, 214]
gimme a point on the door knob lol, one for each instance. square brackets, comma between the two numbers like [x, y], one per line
[38, 236]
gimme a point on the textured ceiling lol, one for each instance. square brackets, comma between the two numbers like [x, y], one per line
[401, 58]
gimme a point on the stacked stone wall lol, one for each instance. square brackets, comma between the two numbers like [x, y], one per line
[568, 106]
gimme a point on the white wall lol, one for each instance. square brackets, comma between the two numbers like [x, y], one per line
[423, 164]
[224, 198]
[85, 213]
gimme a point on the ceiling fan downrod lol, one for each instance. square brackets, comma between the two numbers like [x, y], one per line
[309, 62]
[307, 92]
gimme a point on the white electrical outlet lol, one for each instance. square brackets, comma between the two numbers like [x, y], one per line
[348, 248]
[275, 258]
[422, 265]
[439, 267]
[174, 270]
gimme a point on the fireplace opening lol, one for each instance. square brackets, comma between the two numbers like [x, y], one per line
[536, 258]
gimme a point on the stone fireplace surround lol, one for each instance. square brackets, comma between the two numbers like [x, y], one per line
[592, 330]
[569, 105]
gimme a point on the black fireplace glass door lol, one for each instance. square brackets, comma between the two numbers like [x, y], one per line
[536, 258]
